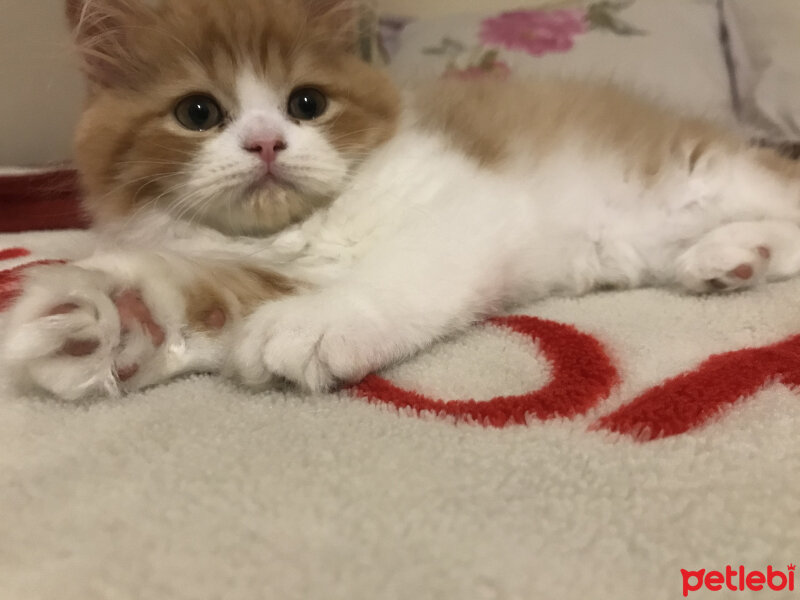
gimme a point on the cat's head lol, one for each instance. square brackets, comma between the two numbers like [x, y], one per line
[242, 114]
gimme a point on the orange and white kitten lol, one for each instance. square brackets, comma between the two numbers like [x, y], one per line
[279, 210]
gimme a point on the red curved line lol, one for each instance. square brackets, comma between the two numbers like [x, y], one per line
[693, 398]
[583, 375]
[12, 253]
[11, 279]
[9, 287]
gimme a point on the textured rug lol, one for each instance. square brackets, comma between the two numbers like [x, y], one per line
[640, 445]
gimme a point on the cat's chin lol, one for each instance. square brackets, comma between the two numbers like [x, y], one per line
[266, 206]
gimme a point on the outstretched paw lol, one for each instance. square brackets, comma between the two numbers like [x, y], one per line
[311, 341]
[72, 334]
[722, 267]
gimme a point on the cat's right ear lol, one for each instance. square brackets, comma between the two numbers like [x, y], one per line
[337, 19]
[105, 33]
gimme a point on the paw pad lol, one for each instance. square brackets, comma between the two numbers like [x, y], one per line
[127, 373]
[216, 319]
[743, 271]
[134, 312]
[80, 348]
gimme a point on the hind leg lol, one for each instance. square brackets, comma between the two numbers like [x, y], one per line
[740, 255]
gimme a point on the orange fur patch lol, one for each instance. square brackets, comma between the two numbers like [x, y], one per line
[493, 122]
[227, 292]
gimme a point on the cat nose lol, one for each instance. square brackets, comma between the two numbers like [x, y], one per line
[266, 148]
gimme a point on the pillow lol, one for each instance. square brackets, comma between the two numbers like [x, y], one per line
[765, 49]
[428, 8]
[668, 50]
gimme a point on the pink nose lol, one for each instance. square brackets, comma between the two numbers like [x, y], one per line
[266, 148]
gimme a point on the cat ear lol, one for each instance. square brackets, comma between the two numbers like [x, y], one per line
[340, 20]
[104, 32]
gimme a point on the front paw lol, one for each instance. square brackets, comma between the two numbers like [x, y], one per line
[723, 267]
[71, 333]
[315, 342]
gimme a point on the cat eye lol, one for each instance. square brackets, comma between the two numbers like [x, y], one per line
[199, 113]
[307, 103]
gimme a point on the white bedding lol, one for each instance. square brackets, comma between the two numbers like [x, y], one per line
[200, 490]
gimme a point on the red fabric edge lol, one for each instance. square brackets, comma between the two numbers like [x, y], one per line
[39, 201]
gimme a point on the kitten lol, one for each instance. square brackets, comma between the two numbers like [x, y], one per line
[277, 209]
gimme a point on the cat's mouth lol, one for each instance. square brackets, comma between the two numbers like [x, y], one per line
[271, 179]
[272, 175]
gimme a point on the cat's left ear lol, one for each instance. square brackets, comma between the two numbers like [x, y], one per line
[106, 35]
[339, 19]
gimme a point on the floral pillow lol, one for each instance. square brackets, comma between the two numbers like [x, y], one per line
[670, 50]
[539, 32]
[765, 52]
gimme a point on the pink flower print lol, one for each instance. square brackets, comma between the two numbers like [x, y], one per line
[498, 70]
[487, 66]
[536, 32]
